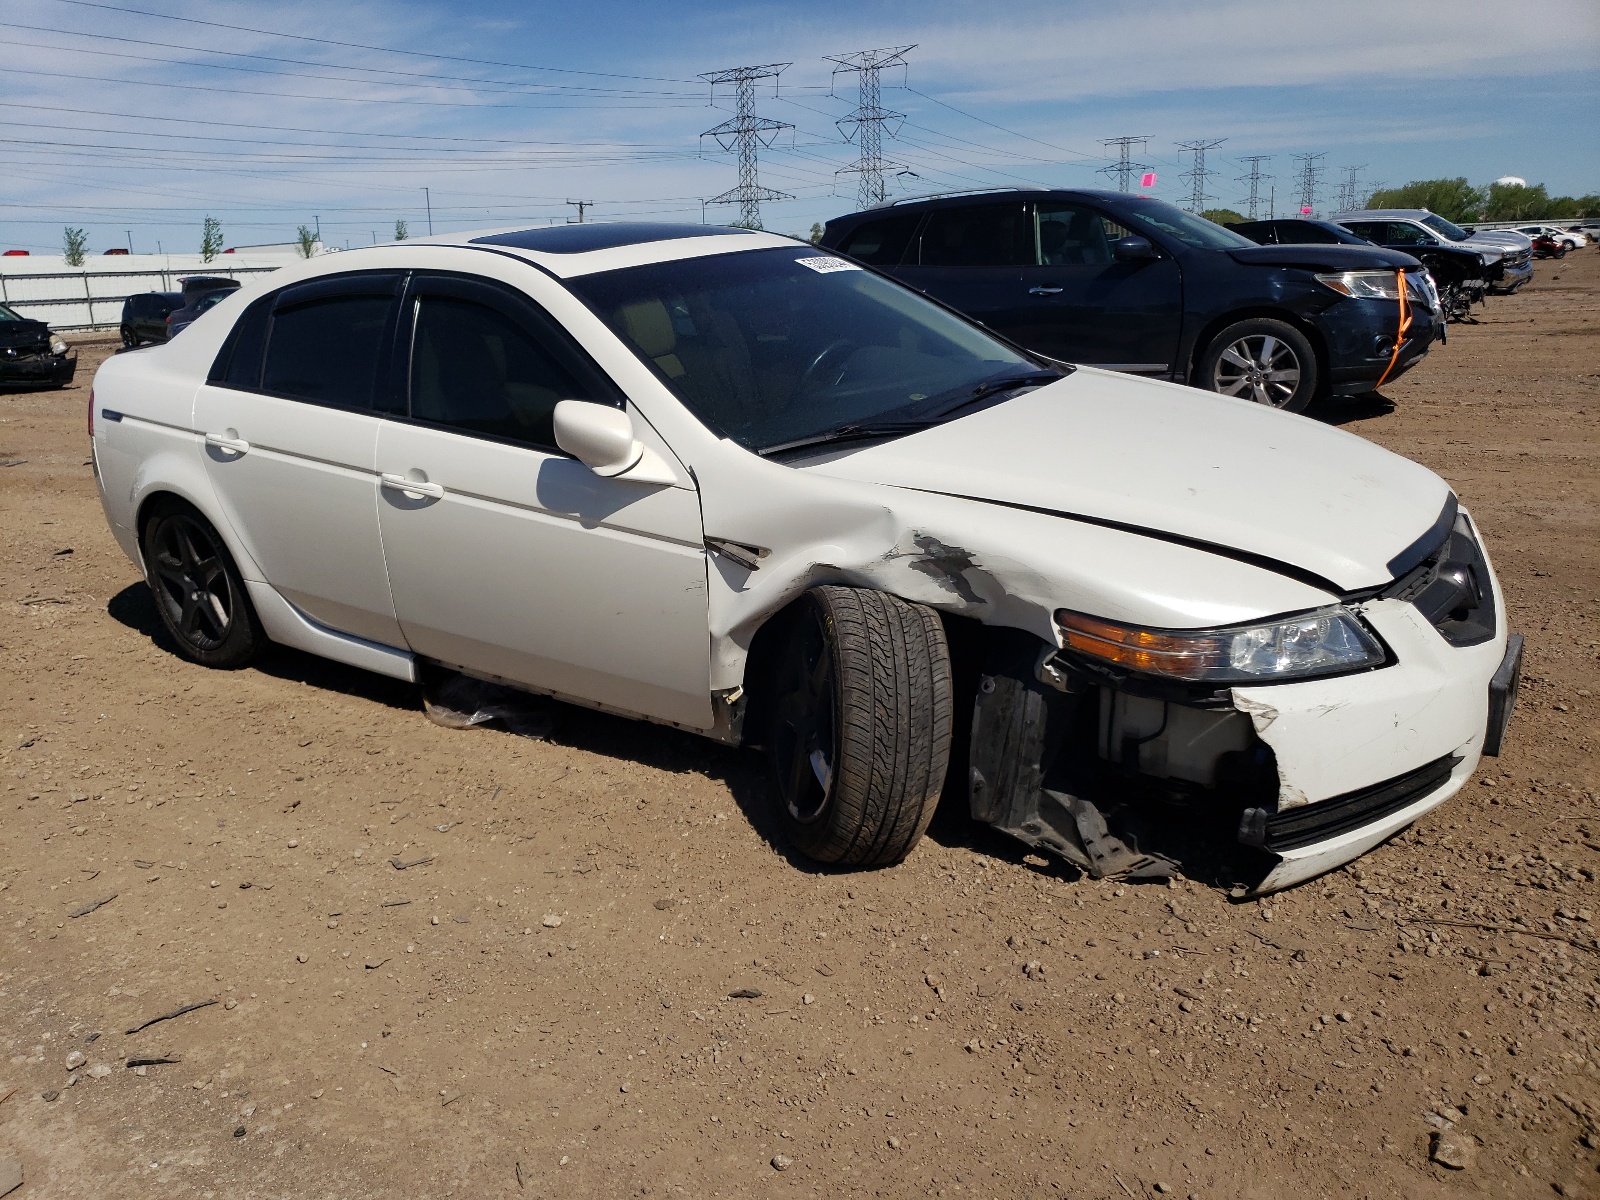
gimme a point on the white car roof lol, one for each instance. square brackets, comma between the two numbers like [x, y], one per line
[568, 251]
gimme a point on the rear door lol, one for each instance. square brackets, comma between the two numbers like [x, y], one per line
[512, 559]
[1084, 306]
[290, 418]
[971, 257]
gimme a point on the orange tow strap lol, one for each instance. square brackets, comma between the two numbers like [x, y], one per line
[1400, 335]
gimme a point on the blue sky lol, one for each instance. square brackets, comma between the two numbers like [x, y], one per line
[123, 121]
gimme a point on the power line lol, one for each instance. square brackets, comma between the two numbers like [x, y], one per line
[1197, 173]
[1310, 175]
[1125, 168]
[748, 132]
[1254, 179]
[870, 118]
[300, 37]
[1014, 133]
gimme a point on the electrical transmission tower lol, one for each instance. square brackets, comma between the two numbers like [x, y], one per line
[1310, 176]
[1348, 197]
[1125, 168]
[1197, 173]
[866, 125]
[748, 133]
[1254, 179]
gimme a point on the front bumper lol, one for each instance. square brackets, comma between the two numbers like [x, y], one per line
[1360, 757]
[1359, 336]
[1511, 277]
[38, 370]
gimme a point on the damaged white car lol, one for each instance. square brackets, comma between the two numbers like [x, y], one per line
[721, 480]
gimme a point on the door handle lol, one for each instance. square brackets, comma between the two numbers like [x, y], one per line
[416, 487]
[1045, 291]
[222, 441]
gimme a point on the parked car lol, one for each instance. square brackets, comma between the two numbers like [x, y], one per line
[1570, 238]
[1458, 275]
[180, 319]
[1416, 230]
[1134, 284]
[727, 481]
[144, 317]
[32, 356]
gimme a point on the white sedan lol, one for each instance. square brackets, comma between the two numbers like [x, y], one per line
[722, 480]
[1569, 238]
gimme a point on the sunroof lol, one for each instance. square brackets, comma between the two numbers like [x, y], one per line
[577, 239]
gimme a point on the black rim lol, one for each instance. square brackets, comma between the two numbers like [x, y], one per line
[805, 735]
[192, 583]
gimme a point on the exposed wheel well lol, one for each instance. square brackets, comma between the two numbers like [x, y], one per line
[1209, 333]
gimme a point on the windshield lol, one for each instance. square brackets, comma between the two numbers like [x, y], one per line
[1186, 227]
[771, 347]
[7, 314]
[1442, 227]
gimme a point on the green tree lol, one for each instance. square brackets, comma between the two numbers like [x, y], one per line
[816, 233]
[401, 231]
[74, 241]
[210, 239]
[1222, 216]
[1516, 202]
[306, 239]
[1453, 199]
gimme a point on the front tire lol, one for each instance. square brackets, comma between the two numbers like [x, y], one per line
[1267, 361]
[861, 726]
[197, 588]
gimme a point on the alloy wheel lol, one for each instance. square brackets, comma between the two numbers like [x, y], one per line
[804, 734]
[192, 582]
[1258, 367]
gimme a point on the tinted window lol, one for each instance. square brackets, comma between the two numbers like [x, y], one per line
[881, 243]
[1306, 233]
[1403, 233]
[1185, 226]
[238, 363]
[1444, 228]
[327, 351]
[1373, 231]
[985, 235]
[475, 369]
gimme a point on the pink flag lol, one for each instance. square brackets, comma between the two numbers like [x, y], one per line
[1148, 179]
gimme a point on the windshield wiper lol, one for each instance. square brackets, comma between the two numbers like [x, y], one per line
[994, 387]
[849, 433]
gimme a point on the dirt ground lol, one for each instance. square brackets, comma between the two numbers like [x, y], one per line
[538, 1004]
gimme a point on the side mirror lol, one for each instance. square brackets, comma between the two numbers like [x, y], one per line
[1133, 248]
[602, 439]
[597, 435]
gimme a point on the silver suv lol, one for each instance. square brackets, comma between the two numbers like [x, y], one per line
[1416, 229]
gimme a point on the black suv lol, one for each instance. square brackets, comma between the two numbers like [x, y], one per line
[145, 317]
[1135, 284]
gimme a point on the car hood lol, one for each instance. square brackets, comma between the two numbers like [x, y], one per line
[1177, 462]
[1318, 257]
[26, 332]
[1491, 237]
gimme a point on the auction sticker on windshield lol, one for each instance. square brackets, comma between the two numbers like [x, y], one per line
[825, 264]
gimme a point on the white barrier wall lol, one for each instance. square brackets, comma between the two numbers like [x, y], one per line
[43, 287]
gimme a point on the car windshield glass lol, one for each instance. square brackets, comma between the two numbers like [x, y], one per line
[1186, 227]
[1442, 227]
[7, 315]
[774, 347]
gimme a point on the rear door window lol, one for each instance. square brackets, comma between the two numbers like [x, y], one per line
[980, 235]
[1404, 233]
[326, 341]
[881, 243]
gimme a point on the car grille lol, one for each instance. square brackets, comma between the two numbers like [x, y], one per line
[1311, 823]
[1517, 258]
[1451, 588]
[1419, 290]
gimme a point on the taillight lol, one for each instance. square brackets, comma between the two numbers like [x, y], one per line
[91, 414]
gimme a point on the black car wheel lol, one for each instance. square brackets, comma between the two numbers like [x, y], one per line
[1267, 361]
[130, 339]
[861, 725]
[198, 591]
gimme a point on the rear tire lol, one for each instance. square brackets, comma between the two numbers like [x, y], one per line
[861, 725]
[1267, 361]
[198, 591]
[130, 339]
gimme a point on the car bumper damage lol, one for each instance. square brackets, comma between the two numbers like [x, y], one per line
[41, 369]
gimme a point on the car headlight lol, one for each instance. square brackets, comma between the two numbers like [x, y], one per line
[57, 346]
[1326, 642]
[1363, 285]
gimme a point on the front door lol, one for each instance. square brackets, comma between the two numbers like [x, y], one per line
[509, 558]
[1085, 306]
[290, 422]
